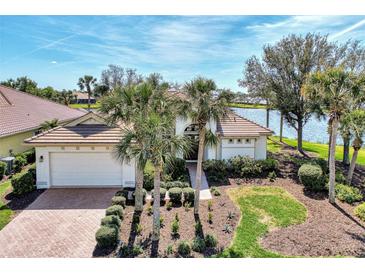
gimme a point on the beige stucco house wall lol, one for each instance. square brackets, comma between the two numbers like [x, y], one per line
[14, 142]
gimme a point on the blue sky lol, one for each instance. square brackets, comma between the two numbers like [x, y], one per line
[57, 50]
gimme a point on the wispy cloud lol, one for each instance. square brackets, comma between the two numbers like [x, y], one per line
[349, 29]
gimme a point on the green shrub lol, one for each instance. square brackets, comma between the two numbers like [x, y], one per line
[210, 217]
[107, 236]
[29, 155]
[19, 162]
[311, 176]
[188, 194]
[322, 163]
[360, 211]
[148, 181]
[272, 176]
[184, 248]
[144, 194]
[198, 228]
[175, 170]
[175, 226]
[215, 191]
[176, 184]
[243, 166]
[162, 194]
[268, 165]
[175, 194]
[111, 220]
[198, 245]
[23, 182]
[210, 241]
[119, 200]
[340, 178]
[347, 193]
[3, 167]
[32, 170]
[123, 192]
[115, 210]
[215, 170]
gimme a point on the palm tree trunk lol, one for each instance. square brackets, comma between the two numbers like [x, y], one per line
[346, 150]
[88, 99]
[156, 204]
[139, 193]
[356, 145]
[198, 178]
[329, 128]
[300, 136]
[332, 162]
[281, 126]
[267, 115]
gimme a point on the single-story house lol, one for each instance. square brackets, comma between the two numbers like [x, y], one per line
[21, 115]
[82, 98]
[80, 153]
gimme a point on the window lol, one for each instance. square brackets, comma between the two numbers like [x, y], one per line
[248, 141]
[230, 141]
[239, 141]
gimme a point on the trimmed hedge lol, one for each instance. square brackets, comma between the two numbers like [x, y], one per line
[23, 182]
[175, 195]
[311, 176]
[3, 167]
[29, 155]
[347, 193]
[179, 184]
[244, 166]
[119, 200]
[188, 194]
[107, 236]
[360, 211]
[215, 170]
[268, 165]
[115, 210]
[162, 194]
[111, 220]
[19, 162]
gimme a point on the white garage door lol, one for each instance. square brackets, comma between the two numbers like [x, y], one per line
[84, 169]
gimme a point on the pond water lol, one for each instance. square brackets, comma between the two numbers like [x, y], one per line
[314, 130]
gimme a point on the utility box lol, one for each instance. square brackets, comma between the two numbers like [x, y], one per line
[9, 163]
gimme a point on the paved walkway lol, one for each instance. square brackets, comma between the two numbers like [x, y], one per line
[60, 223]
[204, 187]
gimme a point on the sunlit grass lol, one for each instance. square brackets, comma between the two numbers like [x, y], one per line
[241, 105]
[93, 106]
[5, 212]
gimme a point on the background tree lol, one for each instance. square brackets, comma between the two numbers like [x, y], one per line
[87, 82]
[47, 125]
[116, 75]
[23, 83]
[66, 97]
[333, 90]
[203, 104]
[283, 70]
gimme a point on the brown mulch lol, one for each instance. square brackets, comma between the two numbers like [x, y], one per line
[221, 206]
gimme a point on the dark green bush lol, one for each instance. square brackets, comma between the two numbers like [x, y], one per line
[215, 170]
[29, 155]
[210, 241]
[360, 211]
[176, 184]
[162, 194]
[119, 200]
[322, 163]
[340, 178]
[243, 166]
[311, 176]
[175, 170]
[115, 210]
[268, 165]
[111, 220]
[19, 162]
[107, 236]
[184, 248]
[175, 195]
[3, 167]
[347, 193]
[188, 194]
[123, 192]
[198, 245]
[23, 182]
[32, 170]
[148, 181]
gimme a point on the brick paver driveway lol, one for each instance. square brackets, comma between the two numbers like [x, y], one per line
[60, 223]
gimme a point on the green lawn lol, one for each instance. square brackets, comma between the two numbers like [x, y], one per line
[320, 149]
[97, 105]
[5, 212]
[262, 207]
[240, 105]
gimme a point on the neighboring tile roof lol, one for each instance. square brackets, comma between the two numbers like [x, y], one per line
[20, 111]
[234, 125]
[80, 134]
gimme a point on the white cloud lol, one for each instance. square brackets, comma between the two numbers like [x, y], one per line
[53, 62]
[349, 29]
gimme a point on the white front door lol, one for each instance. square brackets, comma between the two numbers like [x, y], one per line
[84, 169]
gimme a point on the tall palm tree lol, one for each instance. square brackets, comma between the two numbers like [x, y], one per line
[47, 125]
[66, 97]
[203, 104]
[333, 90]
[87, 82]
[355, 123]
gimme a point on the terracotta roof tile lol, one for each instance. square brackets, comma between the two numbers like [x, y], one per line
[20, 111]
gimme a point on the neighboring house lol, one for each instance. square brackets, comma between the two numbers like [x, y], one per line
[21, 115]
[82, 98]
[80, 153]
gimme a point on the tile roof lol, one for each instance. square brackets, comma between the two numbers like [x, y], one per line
[20, 111]
[234, 125]
[79, 134]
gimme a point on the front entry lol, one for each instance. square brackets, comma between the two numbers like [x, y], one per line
[192, 133]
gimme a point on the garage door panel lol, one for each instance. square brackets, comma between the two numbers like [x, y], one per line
[85, 169]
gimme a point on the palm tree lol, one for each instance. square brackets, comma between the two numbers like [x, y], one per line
[66, 97]
[85, 83]
[203, 104]
[333, 90]
[47, 125]
[355, 123]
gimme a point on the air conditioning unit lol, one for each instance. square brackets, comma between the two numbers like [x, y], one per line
[9, 162]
